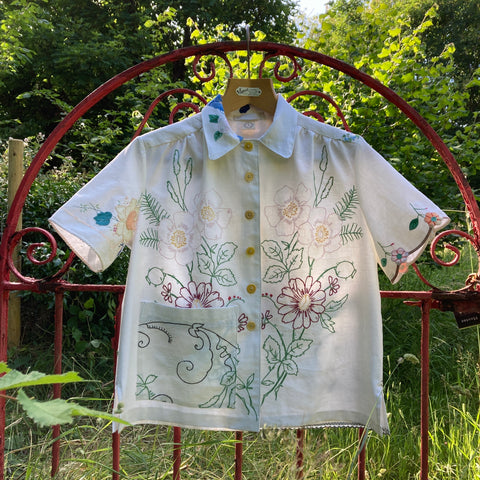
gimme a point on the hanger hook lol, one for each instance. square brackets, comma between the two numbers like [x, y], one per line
[247, 28]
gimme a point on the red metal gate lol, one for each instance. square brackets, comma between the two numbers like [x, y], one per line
[464, 300]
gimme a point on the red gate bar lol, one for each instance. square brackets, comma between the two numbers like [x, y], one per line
[300, 457]
[238, 455]
[57, 368]
[177, 450]
[425, 339]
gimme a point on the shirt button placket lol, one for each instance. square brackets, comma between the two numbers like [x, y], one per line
[251, 266]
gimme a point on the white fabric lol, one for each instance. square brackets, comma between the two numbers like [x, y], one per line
[252, 297]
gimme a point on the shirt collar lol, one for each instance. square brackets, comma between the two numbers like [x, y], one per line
[220, 138]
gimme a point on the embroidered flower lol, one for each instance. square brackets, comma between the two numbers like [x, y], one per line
[167, 292]
[103, 218]
[127, 216]
[198, 296]
[333, 285]
[290, 210]
[180, 237]
[302, 303]
[399, 256]
[321, 233]
[403, 268]
[242, 322]
[432, 218]
[212, 218]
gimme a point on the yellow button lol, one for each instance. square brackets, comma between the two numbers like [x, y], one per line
[250, 251]
[249, 214]
[248, 146]
[251, 326]
[249, 177]
[251, 288]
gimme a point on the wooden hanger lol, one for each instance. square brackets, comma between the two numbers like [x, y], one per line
[258, 92]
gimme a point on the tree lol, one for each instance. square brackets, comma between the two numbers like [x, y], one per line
[55, 52]
[456, 22]
[378, 36]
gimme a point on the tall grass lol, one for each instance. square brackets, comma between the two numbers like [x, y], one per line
[146, 452]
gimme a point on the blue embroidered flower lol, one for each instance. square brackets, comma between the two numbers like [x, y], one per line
[102, 218]
[349, 138]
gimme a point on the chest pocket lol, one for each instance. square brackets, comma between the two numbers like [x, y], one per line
[187, 356]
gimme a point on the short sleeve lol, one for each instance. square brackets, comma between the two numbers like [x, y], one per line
[400, 218]
[100, 219]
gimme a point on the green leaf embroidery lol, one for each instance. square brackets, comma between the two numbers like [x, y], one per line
[205, 264]
[226, 252]
[228, 379]
[273, 350]
[225, 277]
[149, 238]
[298, 347]
[345, 208]
[272, 250]
[351, 232]
[275, 274]
[151, 208]
[326, 189]
[383, 262]
[413, 224]
[322, 189]
[268, 383]
[172, 192]
[295, 259]
[176, 163]
[327, 322]
[188, 171]
[335, 305]
[290, 367]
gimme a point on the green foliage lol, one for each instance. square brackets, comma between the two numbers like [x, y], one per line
[379, 38]
[50, 412]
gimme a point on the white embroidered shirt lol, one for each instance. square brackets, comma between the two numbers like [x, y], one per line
[252, 297]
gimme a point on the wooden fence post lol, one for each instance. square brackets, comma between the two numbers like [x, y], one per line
[15, 174]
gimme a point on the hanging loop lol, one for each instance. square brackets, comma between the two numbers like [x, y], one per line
[247, 28]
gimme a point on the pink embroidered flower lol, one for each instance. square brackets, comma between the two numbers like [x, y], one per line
[127, 215]
[302, 303]
[321, 233]
[334, 287]
[290, 210]
[212, 218]
[432, 218]
[167, 292]
[399, 256]
[180, 238]
[198, 296]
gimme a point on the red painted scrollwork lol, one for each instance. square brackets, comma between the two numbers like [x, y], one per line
[32, 251]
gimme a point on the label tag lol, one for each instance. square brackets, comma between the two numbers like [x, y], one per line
[467, 313]
[465, 320]
[248, 91]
